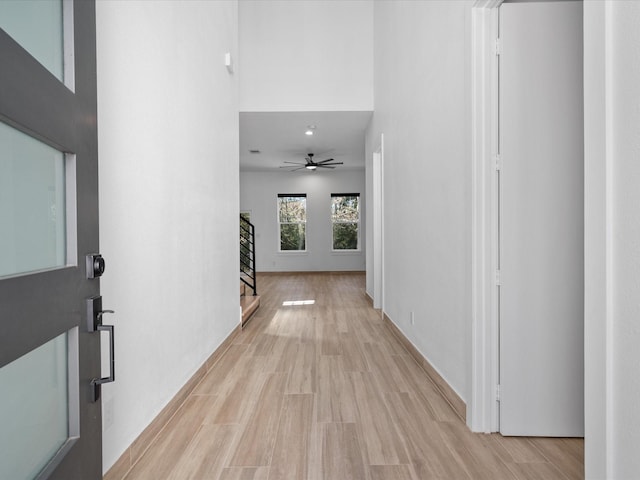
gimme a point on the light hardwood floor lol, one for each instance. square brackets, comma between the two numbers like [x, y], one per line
[324, 391]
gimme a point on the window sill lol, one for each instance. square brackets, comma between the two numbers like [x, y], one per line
[346, 252]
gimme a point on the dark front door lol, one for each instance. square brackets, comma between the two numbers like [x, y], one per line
[50, 424]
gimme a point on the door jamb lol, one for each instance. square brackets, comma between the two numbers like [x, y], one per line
[378, 227]
[482, 412]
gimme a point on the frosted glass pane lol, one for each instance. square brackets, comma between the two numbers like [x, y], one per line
[34, 412]
[37, 26]
[32, 204]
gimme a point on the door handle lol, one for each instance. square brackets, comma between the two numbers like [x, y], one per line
[96, 383]
[94, 324]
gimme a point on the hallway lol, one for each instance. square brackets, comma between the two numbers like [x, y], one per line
[316, 387]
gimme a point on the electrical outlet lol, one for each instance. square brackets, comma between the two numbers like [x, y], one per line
[412, 319]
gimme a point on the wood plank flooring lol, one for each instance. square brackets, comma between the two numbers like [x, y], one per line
[324, 391]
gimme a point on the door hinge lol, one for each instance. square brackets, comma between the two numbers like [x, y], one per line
[498, 393]
[498, 46]
[498, 277]
[498, 162]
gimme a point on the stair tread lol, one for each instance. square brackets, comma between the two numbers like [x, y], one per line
[248, 301]
[249, 304]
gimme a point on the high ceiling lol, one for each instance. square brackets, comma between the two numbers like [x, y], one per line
[280, 137]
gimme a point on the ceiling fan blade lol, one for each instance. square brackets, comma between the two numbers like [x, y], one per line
[324, 166]
[299, 168]
[334, 163]
[325, 161]
[295, 163]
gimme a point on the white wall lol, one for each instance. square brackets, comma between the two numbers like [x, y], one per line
[612, 236]
[422, 107]
[310, 55]
[258, 194]
[168, 146]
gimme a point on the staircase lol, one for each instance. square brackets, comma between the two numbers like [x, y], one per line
[248, 303]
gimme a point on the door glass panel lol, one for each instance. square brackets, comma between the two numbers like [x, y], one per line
[32, 204]
[34, 411]
[37, 26]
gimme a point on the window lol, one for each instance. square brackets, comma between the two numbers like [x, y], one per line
[292, 220]
[345, 221]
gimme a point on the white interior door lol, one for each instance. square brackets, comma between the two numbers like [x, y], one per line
[541, 218]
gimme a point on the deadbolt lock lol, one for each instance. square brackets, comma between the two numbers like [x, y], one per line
[95, 265]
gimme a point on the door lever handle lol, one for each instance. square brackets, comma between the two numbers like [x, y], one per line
[99, 316]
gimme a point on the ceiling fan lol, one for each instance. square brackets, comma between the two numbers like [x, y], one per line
[311, 165]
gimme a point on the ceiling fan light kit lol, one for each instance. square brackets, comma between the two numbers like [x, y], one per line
[311, 165]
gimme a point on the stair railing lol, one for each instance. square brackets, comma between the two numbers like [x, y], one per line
[248, 254]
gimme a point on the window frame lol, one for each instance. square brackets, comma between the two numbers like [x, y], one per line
[280, 223]
[357, 223]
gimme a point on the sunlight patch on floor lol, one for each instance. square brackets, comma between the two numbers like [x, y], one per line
[289, 303]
